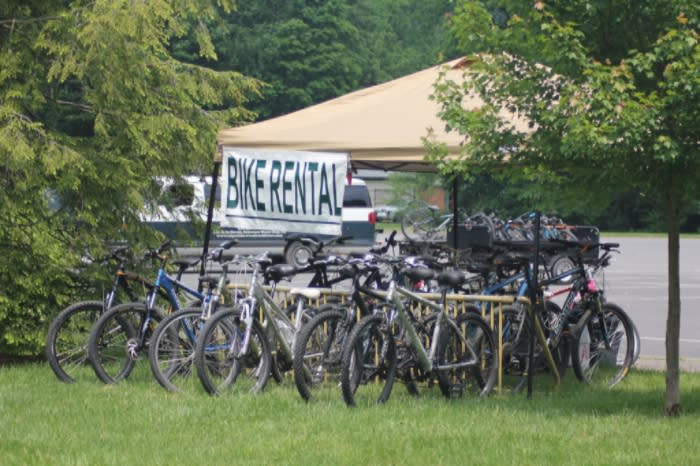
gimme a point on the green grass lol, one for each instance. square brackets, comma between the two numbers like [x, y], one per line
[47, 422]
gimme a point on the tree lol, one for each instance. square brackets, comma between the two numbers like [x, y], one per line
[302, 49]
[93, 105]
[612, 93]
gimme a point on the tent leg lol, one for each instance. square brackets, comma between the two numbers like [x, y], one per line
[455, 220]
[210, 217]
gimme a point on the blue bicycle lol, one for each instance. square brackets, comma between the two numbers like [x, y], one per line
[122, 334]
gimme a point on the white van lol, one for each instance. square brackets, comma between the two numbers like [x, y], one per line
[358, 221]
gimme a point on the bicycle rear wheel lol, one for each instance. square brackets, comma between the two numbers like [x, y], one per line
[604, 349]
[116, 341]
[172, 347]
[67, 338]
[220, 366]
[317, 353]
[368, 363]
[417, 223]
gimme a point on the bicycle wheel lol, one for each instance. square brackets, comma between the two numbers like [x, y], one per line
[317, 353]
[116, 342]
[604, 349]
[418, 223]
[220, 367]
[172, 347]
[635, 332]
[368, 363]
[67, 338]
[475, 354]
[281, 362]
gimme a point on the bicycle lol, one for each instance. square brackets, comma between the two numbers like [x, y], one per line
[122, 333]
[460, 353]
[238, 341]
[172, 346]
[422, 223]
[319, 342]
[600, 334]
[66, 341]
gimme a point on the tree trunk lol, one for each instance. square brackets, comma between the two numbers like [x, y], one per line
[672, 403]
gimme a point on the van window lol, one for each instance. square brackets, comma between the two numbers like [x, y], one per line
[180, 194]
[356, 196]
[207, 193]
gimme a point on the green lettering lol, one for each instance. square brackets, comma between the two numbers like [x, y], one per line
[275, 173]
[287, 186]
[259, 184]
[232, 196]
[300, 189]
[324, 196]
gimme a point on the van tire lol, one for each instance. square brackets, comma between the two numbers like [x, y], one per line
[298, 254]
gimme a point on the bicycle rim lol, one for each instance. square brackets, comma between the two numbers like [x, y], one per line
[369, 363]
[67, 341]
[114, 346]
[219, 367]
[172, 349]
[604, 349]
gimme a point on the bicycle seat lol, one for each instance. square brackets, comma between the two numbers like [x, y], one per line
[451, 279]
[418, 273]
[279, 271]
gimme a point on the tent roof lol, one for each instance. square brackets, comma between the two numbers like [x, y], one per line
[379, 126]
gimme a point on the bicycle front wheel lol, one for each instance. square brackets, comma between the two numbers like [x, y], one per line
[317, 353]
[119, 338]
[221, 367]
[473, 355]
[172, 347]
[604, 349]
[67, 338]
[368, 363]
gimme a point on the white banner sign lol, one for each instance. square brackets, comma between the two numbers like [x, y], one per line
[285, 191]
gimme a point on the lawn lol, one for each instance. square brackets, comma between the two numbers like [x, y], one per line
[47, 422]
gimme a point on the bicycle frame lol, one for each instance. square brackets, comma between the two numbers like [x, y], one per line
[274, 315]
[170, 286]
[425, 357]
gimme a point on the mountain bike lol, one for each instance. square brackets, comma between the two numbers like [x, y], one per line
[66, 341]
[319, 342]
[235, 349]
[172, 346]
[460, 353]
[122, 334]
[423, 223]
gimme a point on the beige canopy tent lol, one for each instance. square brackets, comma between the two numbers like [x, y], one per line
[380, 126]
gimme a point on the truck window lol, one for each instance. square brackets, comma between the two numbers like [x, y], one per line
[356, 196]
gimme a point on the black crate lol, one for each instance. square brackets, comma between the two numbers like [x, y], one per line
[470, 237]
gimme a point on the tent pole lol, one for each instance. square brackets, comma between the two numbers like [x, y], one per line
[455, 220]
[210, 216]
[533, 288]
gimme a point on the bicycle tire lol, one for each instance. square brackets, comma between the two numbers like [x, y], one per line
[112, 347]
[368, 363]
[280, 363]
[417, 223]
[67, 338]
[216, 360]
[172, 348]
[478, 378]
[595, 364]
[635, 331]
[318, 352]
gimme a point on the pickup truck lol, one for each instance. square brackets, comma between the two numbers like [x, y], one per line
[358, 222]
